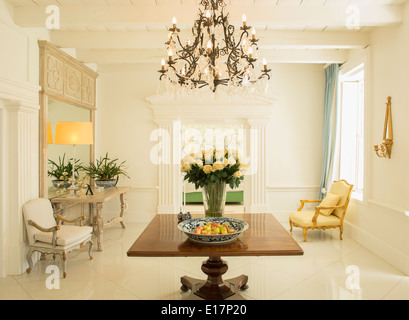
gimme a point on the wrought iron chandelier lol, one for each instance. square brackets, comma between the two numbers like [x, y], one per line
[213, 57]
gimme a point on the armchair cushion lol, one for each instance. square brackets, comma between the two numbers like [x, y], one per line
[330, 200]
[304, 219]
[343, 189]
[65, 236]
[39, 211]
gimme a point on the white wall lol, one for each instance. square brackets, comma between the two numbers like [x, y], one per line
[19, 55]
[295, 145]
[19, 96]
[125, 122]
[124, 125]
[379, 222]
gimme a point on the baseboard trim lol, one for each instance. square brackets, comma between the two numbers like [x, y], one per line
[378, 247]
[394, 257]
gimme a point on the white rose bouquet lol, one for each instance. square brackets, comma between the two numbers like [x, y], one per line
[214, 166]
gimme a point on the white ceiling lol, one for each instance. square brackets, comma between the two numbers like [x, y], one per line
[134, 31]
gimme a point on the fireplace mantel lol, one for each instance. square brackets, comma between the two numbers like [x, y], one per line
[170, 113]
[211, 108]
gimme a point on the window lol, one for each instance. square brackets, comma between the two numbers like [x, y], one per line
[351, 129]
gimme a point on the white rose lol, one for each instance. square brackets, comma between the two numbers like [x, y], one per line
[189, 160]
[199, 163]
[232, 161]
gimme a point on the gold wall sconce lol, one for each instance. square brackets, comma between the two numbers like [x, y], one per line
[384, 150]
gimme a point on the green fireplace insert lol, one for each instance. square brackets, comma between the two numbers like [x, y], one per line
[231, 197]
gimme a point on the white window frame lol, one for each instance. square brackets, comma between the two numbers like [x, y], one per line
[355, 74]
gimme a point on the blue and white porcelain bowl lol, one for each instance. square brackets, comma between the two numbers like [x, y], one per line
[189, 226]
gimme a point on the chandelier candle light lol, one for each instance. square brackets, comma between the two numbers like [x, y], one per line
[214, 57]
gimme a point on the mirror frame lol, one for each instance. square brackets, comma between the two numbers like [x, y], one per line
[65, 79]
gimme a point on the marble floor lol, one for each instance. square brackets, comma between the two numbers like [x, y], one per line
[329, 269]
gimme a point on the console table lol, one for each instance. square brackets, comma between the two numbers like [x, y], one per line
[97, 201]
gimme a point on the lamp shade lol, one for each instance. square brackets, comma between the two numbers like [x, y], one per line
[49, 134]
[74, 133]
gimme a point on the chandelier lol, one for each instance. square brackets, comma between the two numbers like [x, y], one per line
[214, 56]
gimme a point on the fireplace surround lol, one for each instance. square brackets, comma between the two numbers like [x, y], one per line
[171, 113]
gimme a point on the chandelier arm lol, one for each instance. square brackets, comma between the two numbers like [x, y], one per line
[265, 74]
[199, 36]
[239, 47]
[204, 84]
[185, 54]
[180, 43]
[191, 67]
[205, 3]
[228, 35]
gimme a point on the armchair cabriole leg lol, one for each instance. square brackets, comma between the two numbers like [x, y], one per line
[64, 258]
[304, 230]
[91, 245]
[29, 260]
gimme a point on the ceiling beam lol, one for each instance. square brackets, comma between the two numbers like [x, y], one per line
[159, 17]
[156, 39]
[135, 56]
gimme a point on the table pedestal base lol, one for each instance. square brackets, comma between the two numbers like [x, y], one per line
[214, 288]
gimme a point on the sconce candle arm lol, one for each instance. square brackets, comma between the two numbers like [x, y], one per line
[384, 150]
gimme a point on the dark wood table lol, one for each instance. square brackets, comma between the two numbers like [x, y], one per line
[264, 237]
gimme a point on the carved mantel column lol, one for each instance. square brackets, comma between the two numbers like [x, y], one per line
[258, 164]
[167, 155]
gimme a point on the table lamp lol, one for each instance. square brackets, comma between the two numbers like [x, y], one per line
[74, 133]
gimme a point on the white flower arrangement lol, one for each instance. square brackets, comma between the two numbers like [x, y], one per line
[214, 166]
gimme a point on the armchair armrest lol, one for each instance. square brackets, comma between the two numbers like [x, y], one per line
[80, 219]
[303, 202]
[318, 209]
[53, 230]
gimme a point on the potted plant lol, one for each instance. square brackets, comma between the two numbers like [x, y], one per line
[62, 172]
[105, 171]
[212, 170]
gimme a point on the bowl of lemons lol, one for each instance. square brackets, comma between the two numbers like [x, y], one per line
[215, 230]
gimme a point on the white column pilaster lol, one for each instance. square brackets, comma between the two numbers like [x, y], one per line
[19, 179]
[22, 176]
[258, 165]
[170, 189]
[3, 191]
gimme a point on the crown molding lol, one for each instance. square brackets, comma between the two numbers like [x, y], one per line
[19, 93]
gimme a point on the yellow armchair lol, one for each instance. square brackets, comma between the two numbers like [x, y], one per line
[324, 216]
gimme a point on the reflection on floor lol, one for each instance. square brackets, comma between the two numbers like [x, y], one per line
[324, 272]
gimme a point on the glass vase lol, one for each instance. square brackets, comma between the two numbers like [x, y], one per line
[214, 199]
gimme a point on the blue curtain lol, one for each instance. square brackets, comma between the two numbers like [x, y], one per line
[330, 126]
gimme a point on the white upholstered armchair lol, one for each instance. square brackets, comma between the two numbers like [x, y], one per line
[329, 214]
[46, 236]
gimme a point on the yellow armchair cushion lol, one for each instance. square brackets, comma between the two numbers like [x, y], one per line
[330, 200]
[304, 219]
